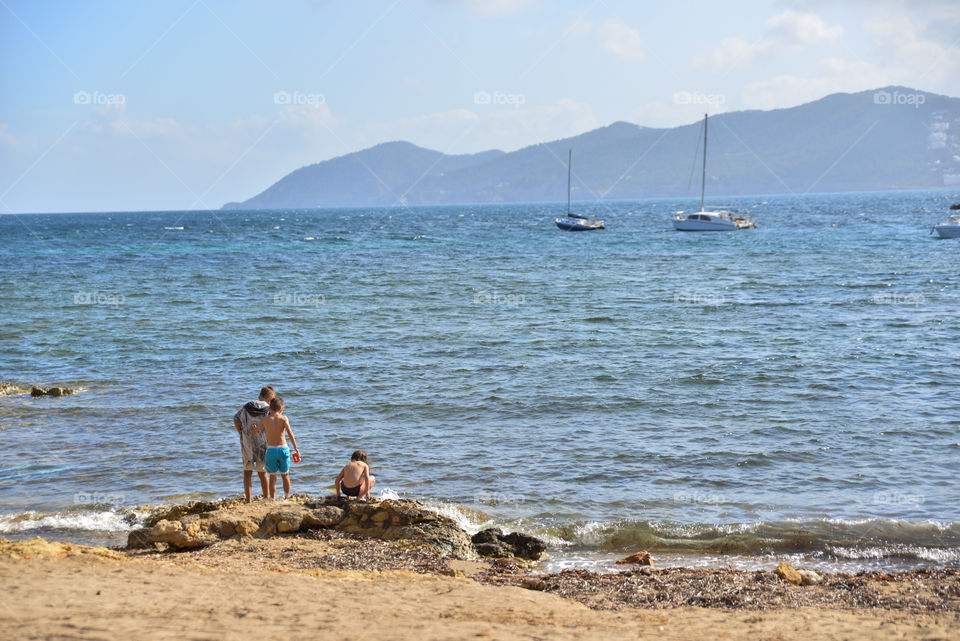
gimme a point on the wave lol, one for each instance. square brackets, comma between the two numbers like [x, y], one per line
[80, 521]
[932, 541]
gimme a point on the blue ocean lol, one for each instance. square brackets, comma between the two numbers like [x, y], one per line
[718, 399]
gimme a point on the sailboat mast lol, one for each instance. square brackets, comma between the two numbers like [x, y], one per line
[703, 180]
[569, 166]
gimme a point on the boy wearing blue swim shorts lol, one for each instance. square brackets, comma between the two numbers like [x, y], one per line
[277, 460]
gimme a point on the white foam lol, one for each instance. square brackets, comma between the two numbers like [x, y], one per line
[386, 494]
[467, 520]
[108, 521]
[174, 228]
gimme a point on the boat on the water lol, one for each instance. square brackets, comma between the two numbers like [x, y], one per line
[576, 222]
[948, 229]
[717, 220]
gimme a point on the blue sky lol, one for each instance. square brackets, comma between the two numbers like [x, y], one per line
[129, 105]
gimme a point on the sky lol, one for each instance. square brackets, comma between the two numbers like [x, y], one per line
[129, 105]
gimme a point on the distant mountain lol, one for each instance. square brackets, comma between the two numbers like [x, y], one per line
[890, 138]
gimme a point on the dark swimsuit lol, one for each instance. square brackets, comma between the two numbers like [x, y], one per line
[351, 491]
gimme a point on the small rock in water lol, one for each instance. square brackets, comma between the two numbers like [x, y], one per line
[53, 391]
[640, 558]
[786, 572]
[809, 577]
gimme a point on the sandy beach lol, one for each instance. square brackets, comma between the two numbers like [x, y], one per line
[290, 587]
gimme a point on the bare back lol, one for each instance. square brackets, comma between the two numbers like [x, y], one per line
[353, 472]
[275, 426]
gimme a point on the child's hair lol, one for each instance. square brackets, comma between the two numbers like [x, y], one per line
[276, 404]
[359, 455]
[266, 392]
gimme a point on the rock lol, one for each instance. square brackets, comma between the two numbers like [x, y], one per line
[492, 542]
[327, 516]
[809, 577]
[533, 583]
[286, 521]
[203, 523]
[525, 546]
[53, 391]
[180, 536]
[786, 572]
[640, 558]
[490, 535]
[139, 539]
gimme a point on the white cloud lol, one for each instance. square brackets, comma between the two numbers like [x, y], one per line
[786, 31]
[621, 40]
[901, 57]
[910, 57]
[795, 28]
[614, 37]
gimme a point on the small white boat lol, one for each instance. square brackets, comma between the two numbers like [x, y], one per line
[949, 229]
[712, 221]
[704, 220]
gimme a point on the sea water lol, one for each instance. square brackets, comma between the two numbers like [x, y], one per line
[718, 398]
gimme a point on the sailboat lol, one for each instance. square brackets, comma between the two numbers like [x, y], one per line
[703, 220]
[576, 222]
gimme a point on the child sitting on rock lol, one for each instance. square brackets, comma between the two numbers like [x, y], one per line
[276, 425]
[355, 478]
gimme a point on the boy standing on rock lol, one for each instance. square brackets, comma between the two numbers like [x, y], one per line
[253, 448]
[277, 426]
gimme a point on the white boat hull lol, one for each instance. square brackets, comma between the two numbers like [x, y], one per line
[947, 231]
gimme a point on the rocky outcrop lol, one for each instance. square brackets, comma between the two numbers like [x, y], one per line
[203, 523]
[51, 391]
[493, 542]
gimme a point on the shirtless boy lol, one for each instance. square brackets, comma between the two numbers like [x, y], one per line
[277, 427]
[355, 478]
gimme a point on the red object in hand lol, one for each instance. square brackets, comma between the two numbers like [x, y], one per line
[296, 457]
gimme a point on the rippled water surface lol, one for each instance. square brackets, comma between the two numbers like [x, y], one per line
[786, 389]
